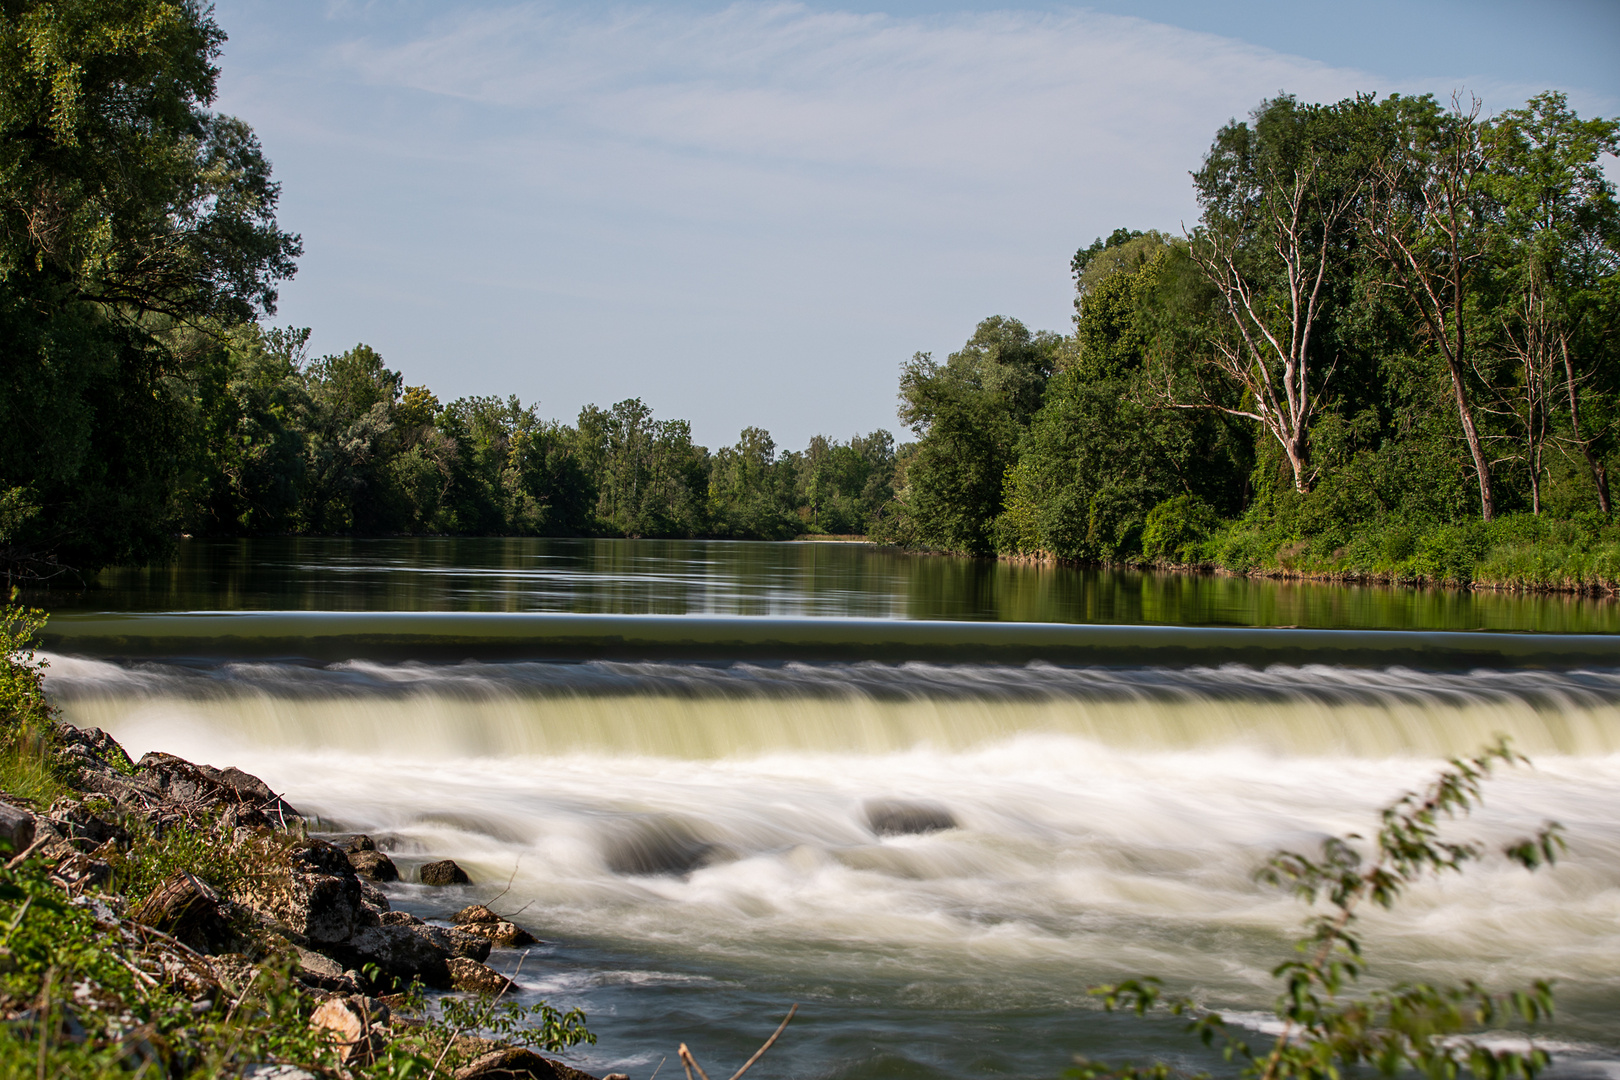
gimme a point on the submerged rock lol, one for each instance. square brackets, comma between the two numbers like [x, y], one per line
[443, 872]
[902, 817]
[658, 846]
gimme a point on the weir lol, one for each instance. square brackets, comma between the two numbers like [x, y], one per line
[940, 830]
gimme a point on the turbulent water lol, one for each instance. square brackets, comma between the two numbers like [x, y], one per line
[702, 844]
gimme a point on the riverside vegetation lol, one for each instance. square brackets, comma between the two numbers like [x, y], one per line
[1386, 348]
[161, 918]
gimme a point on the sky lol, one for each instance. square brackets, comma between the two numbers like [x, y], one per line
[751, 214]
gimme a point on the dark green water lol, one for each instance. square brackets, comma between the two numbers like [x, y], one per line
[678, 577]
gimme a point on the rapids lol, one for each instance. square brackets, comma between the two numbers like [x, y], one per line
[931, 800]
[700, 839]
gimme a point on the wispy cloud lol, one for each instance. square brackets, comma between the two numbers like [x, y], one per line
[728, 198]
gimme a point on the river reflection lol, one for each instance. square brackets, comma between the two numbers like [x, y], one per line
[707, 577]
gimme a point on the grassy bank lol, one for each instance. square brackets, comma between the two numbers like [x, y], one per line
[1517, 552]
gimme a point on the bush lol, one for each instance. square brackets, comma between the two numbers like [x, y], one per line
[1177, 528]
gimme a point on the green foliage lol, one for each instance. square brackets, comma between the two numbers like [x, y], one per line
[1177, 528]
[128, 212]
[538, 1025]
[28, 766]
[1326, 1025]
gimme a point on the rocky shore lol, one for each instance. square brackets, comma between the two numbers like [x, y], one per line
[283, 904]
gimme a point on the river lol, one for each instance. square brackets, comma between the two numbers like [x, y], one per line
[680, 760]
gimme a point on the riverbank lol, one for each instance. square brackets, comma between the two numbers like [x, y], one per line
[179, 920]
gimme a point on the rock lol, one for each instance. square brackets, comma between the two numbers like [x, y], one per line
[16, 827]
[188, 788]
[187, 909]
[443, 872]
[898, 817]
[399, 918]
[353, 1024]
[82, 827]
[503, 933]
[269, 1070]
[512, 1063]
[400, 952]
[474, 913]
[315, 894]
[360, 842]
[476, 978]
[373, 865]
[92, 749]
[373, 897]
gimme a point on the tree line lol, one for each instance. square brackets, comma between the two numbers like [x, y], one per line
[146, 395]
[1393, 327]
[1388, 341]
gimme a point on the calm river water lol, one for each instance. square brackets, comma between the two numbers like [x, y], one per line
[682, 756]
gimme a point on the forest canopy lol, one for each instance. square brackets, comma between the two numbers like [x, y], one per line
[1387, 345]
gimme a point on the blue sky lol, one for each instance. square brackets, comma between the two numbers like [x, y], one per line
[752, 213]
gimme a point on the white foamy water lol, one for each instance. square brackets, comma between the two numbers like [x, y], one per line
[689, 831]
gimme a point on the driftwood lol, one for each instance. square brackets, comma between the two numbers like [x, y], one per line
[688, 1062]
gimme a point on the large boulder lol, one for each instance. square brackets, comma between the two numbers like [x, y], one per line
[309, 889]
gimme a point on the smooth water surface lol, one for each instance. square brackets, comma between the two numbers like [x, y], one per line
[703, 843]
[704, 577]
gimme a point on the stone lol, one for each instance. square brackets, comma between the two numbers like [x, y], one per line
[316, 895]
[352, 1023]
[360, 842]
[474, 913]
[900, 817]
[373, 865]
[373, 897]
[92, 749]
[82, 827]
[473, 977]
[399, 952]
[16, 827]
[512, 1063]
[187, 909]
[443, 872]
[501, 932]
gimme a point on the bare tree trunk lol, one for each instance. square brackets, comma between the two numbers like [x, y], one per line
[1482, 468]
[1600, 474]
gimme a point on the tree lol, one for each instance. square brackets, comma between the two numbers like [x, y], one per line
[1428, 219]
[127, 211]
[1278, 202]
[968, 414]
[1558, 250]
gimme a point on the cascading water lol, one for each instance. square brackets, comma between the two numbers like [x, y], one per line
[917, 849]
[934, 856]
